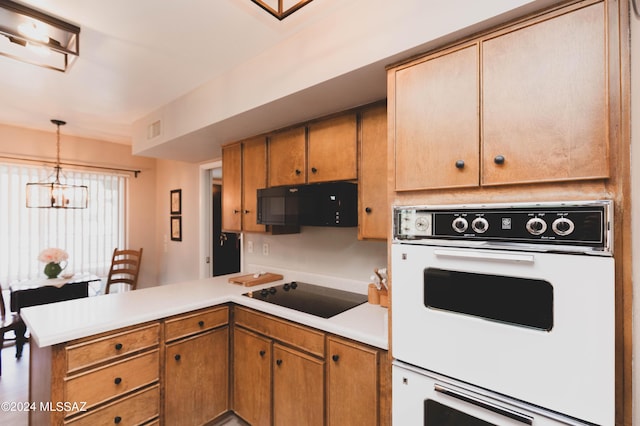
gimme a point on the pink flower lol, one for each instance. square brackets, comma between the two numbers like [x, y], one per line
[55, 255]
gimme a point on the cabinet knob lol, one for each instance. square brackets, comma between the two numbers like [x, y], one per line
[279, 362]
[298, 172]
[262, 353]
[499, 159]
[236, 211]
[117, 380]
[246, 212]
[117, 419]
[201, 323]
[335, 358]
[460, 164]
[314, 170]
[367, 209]
[118, 346]
[177, 357]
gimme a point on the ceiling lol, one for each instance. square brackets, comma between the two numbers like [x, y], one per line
[136, 56]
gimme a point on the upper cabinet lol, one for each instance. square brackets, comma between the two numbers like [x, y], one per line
[288, 157]
[323, 151]
[244, 171]
[544, 100]
[373, 205]
[527, 103]
[332, 149]
[437, 121]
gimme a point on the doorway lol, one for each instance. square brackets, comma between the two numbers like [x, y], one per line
[226, 245]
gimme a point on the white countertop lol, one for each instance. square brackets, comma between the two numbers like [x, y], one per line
[64, 321]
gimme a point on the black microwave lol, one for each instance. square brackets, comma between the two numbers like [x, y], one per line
[323, 204]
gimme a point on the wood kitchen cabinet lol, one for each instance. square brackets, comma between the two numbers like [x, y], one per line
[288, 157]
[525, 103]
[298, 388]
[544, 100]
[252, 367]
[354, 376]
[196, 367]
[286, 373]
[107, 378]
[332, 149]
[323, 151]
[373, 207]
[244, 171]
[437, 121]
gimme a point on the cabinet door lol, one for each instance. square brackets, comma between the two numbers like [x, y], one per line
[437, 122]
[232, 188]
[332, 149]
[544, 100]
[352, 384]
[372, 183]
[252, 377]
[254, 176]
[197, 378]
[298, 388]
[287, 157]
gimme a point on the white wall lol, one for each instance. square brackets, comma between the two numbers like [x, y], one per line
[320, 250]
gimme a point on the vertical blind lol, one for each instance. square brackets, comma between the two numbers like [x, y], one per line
[87, 235]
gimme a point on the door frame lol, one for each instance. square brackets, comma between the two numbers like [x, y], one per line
[206, 218]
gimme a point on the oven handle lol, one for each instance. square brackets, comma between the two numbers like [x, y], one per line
[483, 255]
[522, 418]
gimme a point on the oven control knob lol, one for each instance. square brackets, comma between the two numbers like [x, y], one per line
[480, 225]
[536, 226]
[460, 224]
[562, 226]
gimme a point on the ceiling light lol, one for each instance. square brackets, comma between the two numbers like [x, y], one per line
[281, 8]
[28, 33]
[54, 194]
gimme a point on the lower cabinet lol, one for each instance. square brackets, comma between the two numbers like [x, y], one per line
[196, 367]
[298, 388]
[285, 373]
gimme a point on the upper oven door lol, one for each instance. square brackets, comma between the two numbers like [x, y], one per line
[535, 326]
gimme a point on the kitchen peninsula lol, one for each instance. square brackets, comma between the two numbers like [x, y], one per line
[119, 355]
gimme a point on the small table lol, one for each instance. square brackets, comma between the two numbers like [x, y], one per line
[42, 291]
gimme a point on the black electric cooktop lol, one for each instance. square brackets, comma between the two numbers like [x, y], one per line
[312, 299]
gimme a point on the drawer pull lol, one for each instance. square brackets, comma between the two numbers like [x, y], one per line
[279, 362]
[262, 353]
[201, 323]
[118, 346]
[118, 380]
[177, 357]
[117, 419]
[335, 358]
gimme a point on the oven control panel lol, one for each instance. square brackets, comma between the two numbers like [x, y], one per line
[581, 224]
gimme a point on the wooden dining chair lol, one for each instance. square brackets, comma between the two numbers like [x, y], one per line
[10, 322]
[125, 266]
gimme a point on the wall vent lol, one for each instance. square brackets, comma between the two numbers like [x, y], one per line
[154, 130]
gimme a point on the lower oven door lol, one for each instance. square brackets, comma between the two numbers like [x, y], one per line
[423, 398]
[538, 327]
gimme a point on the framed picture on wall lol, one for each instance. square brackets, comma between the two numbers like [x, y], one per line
[176, 201]
[176, 228]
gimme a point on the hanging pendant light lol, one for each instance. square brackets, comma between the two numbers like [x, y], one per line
[57, 195]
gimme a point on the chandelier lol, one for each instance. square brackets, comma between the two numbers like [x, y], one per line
[54, 194]
[281, 8]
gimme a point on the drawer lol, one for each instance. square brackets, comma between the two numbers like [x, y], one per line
[135, 409]
[192, 323]
[101, 384]
[305, 338]
[93, 352]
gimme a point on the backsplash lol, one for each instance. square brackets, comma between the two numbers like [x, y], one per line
[326, 251]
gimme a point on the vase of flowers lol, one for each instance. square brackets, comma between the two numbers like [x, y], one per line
[53, 258]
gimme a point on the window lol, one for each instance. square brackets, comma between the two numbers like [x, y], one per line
[88, 235]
